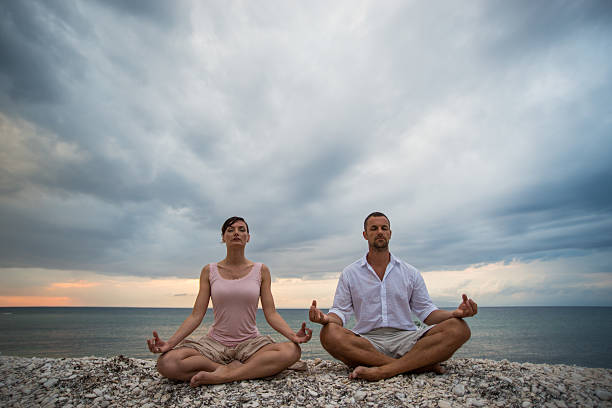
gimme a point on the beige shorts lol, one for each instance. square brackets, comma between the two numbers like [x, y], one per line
[222, 354]
[394, 342]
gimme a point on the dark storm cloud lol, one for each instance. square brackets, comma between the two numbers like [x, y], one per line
[157, 11]
[36, 239]
[36, 59]
[131, 133]
[519, 28]
[541, 221]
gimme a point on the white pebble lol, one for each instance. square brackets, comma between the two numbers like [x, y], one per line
[360, 395]
[459, 390]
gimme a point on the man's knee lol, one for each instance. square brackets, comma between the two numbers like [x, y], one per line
[459, 329]
[330, 335]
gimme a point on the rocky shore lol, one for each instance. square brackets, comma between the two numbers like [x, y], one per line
[128, 382]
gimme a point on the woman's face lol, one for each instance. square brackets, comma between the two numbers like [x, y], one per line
[236, 234]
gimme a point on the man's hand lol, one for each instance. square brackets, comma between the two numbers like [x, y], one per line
[303, 335]
[317, 316]
[157, 345]
[467, 308]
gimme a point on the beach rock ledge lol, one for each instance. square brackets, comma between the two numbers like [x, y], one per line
[129, 382]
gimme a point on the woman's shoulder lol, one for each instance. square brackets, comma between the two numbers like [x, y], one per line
[264, 271]
[206, 270]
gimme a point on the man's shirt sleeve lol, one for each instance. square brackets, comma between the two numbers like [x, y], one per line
[420, 302]
[343, 303]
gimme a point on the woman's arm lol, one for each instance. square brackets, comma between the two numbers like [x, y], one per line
[273, 318]
[156, 345]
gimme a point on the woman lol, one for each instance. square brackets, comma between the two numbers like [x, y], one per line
[233, 349]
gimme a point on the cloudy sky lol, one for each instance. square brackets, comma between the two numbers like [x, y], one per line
[130, 130]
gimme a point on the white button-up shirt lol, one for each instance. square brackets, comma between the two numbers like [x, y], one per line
[386, 303]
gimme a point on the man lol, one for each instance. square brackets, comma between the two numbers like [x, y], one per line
[382, 291]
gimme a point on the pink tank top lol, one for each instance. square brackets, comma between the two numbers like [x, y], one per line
[234, 306]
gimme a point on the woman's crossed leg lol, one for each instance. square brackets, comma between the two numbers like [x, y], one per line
[268, 360]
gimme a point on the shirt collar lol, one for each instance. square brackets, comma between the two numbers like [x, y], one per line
[364, 260]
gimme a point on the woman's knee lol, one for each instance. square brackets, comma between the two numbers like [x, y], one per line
[292, 351]
[166, 365]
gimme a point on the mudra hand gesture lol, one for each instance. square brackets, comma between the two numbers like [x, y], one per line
[317, 316]
[303, 335]
[467, 308]
[157, 345]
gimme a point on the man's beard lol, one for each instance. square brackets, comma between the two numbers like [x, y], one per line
[381, 244]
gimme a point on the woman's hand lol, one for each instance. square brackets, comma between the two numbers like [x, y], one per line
[303, 335]
[157, 345]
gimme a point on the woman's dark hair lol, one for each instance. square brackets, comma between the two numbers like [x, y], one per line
[375, 214]
[230, 221]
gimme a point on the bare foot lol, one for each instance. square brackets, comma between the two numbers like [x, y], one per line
[222, 374]
[367, 373]
[434, 368]
[298, 366]
[376, 373]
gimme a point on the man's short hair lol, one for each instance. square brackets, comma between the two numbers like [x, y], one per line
[375, 214]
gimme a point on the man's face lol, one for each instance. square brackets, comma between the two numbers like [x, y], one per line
[377, 233]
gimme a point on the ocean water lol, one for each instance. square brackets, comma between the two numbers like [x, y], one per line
[554, 335]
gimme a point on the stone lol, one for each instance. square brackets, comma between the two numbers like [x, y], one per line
[51, 383]
[133, 383]
[603, 394]
[459, 390]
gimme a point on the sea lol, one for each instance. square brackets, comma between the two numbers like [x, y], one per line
[579, 336]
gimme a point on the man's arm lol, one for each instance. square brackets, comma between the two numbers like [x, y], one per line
[341, 309]
[467, 308]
